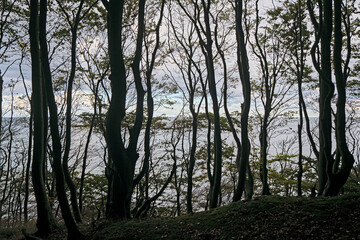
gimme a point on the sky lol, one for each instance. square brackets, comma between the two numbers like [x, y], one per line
[12, 75]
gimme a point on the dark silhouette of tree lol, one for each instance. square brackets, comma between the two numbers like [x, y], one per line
[185, 40]
[273, 89]
[45, 222]
[333, 171]
[73, 231]
[124, 158]
[150, 65]
[243, 66]
[95, 71]
[74, 23]
[201, 19]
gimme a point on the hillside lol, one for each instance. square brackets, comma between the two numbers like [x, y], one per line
[265, 218]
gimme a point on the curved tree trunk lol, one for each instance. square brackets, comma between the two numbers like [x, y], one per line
[74, 29]
[73, 231]
[331, 177]
[150, 102]
[215, 191]
[337, 177]
[45, 221]
[326, 93]
[124, 159]
[83, 170]
[243, 66]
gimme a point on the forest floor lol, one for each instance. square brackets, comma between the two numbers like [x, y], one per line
[268, 217]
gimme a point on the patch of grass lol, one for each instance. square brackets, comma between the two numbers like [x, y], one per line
[11, 233]
[269, 217]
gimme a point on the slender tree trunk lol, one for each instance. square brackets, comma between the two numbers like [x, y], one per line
[326, 93]
[73, 231]
[83, 171]
[116, 112]
[45, 222]
[243, 66]
[300, 71]
[192, 156]
[263, 155]
[214, 195]
[300, 164]
[28, 164]
[337, 177]
[132, 153]
[68, 179]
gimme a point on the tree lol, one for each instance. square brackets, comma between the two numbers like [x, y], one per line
[273, 90]
[332, 176]
[205, 35]
[74, 23]
[49, 100]
[296, 39]
[124, 158]
[190, 71]
[95, 68]
[243, 66]
[150, 62]
[45, 222]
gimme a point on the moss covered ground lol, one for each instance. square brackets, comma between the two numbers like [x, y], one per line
[269, 217]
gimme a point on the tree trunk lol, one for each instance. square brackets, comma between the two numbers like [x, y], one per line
[299, 72]
[243, 66]
[331, 178]
[45, 221]
[214, 195]
[1, 99]
[263, 155]
[68, 179]
[149, 100]
[82, 178]
[192, 157]
[27, 172]
[116, 112]
[73, 231]
[326, 93]
[337, 177]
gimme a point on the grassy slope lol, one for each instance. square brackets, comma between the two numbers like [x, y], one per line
[266, 218]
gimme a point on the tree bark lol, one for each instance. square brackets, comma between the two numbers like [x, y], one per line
[299, 73]
[116, 111]
[331, 178]
[73, 231]
[243, 66]
[326, 93]
[124, 159]
[28, 164]
[45, 221]
[337, 177]
[73, 193]
[215, 191]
